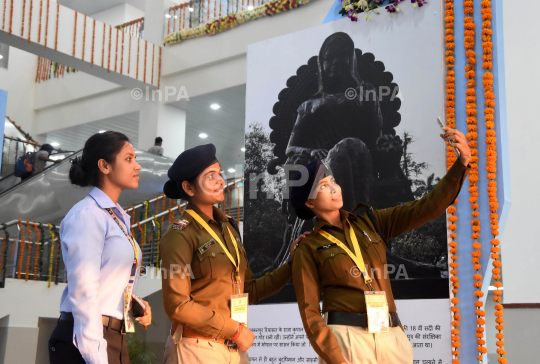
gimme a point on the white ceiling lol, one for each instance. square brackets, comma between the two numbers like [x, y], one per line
[225, 126]
[90, 7]
[73, 138]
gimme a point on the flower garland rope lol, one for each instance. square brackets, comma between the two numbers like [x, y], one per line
[51, 255]
[472, 135]
[21, 250]
[36, 255]
[30, 21]
[28, 252]
[491, 167]
[233, 20]
[451, 159]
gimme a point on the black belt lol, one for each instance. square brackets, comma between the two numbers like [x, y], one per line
[357, 319]
[109, 322]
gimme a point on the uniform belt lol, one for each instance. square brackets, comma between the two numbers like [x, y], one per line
[188, 332]
[110, 322]
[357, 319]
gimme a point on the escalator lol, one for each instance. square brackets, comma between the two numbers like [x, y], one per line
[48, 196]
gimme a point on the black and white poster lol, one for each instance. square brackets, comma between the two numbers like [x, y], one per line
[364, 97]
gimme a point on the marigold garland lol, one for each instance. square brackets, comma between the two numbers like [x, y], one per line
[36, 255]
[23, 14]
[47, 24]
[472, 135]
[28, 253]
[116, 51]
[40, 16]
[232, 20]
[122, 55]
[137, 69]
[109, 55]
[129, 53]
[93, 42]
[21, 250]
[145, 57]
[153, 57]
[84, 37]
[30, 20]
[74, 34]
[103, 45]
[451, 159]
[491, 168]
[10, 17]
[56, 36]
[4, 16]
[51, 254]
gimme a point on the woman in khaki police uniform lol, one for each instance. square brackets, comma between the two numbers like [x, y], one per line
[332, 260]
[206, 264]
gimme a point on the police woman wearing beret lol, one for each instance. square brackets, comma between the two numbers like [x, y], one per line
[206, 264]
[101, 258]
[356, 326]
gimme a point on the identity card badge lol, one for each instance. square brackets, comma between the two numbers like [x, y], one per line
[377, 311]
[239, 308]
[128, 320]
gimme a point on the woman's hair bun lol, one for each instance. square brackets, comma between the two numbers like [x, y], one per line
[174, 190]
[77, 174]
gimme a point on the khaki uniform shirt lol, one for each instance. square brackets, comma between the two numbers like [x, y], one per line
[202, 300]
[329, 270]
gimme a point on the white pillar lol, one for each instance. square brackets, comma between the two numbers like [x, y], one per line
[154, 20]
[168, 122]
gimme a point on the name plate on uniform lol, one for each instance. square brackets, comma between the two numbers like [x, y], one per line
[377, 311]
[239, 308]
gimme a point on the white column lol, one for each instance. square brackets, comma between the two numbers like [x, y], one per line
[154, 20]
[168, 122]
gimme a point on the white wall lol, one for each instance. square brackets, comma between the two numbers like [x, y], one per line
[520, 242]
[119, 14]
[19, 80]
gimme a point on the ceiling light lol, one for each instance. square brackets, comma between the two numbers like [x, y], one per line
[190, 9]
[55, 144]
[250, 7]
[102, 131]
[243, 149]
[203, 135]
[167, 15]
[176, 16]
[231, 170]
[1, 56]
[215, 106]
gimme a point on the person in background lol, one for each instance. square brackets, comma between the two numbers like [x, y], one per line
[101, 258]
[157, 148]
[42, 157]
[345, 259]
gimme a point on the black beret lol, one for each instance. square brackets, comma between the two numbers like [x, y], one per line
[300, 194]
[188, 165]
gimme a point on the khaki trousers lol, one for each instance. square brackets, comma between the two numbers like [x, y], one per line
[186, 350]
[358, 346]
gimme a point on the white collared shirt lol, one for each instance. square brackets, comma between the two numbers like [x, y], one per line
[98, 258]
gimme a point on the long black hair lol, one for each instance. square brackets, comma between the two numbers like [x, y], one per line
[84, 170]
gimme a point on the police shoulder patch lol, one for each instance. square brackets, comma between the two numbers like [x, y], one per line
[180, 224]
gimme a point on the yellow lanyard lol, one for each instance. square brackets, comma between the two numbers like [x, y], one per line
[216, 238]
[129, 237]
[356, 256]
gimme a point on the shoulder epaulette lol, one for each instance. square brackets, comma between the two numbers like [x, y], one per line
[180, 224]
